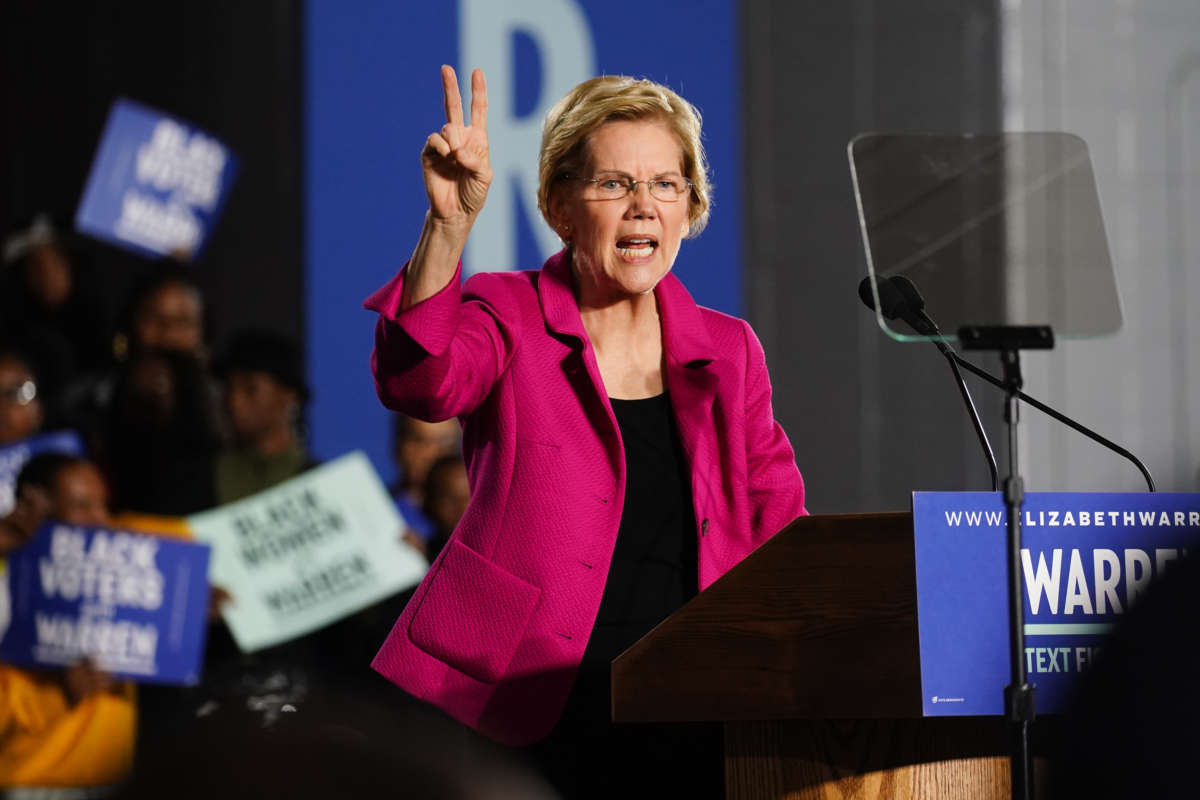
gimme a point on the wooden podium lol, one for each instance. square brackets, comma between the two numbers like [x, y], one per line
[808, 652]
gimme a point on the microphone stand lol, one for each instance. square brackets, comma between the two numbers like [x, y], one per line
[925, 326]
[899, 298]
[1045, 409]
[953, 359]
[905, 301]
[1019, 698]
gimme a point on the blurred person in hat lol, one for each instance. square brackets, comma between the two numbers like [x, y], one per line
[265, 396]
[49, 305]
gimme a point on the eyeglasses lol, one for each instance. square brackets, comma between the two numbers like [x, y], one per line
[615, 185]
[21, 394]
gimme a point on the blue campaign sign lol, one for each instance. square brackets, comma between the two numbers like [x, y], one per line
[1085, 559]
[14, 456]
[374, 94]
[136, 605]
[156, 185]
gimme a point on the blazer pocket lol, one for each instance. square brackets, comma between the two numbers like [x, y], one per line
[473, 614]
[527, 440]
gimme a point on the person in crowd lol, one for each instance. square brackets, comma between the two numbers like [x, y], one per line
[49, 305]
[21, 411]
[416, 445]
[447, 492]
[620, 440]
[165, 312]
[265, 395]
[163, 431]
[72, 727]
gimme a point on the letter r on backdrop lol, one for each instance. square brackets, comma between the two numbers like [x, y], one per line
[566, 56]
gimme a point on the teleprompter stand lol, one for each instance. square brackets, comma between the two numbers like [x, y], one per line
[1009, 341]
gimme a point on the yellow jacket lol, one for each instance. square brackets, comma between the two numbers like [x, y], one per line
[44, 741]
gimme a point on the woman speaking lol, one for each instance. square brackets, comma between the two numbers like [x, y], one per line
[620, 441]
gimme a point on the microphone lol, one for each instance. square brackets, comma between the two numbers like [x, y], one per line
[908, 305]
[899, 299]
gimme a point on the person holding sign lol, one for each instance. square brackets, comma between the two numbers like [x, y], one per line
[620, 441]
[71, 727]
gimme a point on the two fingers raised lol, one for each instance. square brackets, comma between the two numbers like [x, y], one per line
[453, 100]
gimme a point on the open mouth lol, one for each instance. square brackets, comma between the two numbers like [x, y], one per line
[636, 246]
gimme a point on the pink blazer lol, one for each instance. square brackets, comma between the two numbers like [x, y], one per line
[495, 632]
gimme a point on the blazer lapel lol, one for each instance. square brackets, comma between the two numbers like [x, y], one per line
[561, 313]
[692, 378]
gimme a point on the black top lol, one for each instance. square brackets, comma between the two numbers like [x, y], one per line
[653, 573]
[653, 569]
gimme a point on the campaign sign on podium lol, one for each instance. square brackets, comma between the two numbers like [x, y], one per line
[1086, 557]
[307, 552]
[14, 456]
[156, 185]
[135, 605]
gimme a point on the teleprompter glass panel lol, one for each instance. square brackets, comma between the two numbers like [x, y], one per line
[1001, 229]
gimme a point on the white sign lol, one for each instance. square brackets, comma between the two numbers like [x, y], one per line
[307, 552]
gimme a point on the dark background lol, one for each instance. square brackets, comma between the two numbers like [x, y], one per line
[234, 69]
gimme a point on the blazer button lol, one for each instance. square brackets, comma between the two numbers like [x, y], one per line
[704, 527]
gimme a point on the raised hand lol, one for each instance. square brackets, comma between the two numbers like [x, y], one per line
[455, 161]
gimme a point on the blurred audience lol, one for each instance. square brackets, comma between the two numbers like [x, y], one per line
[49, 305]
[416, 445]
[21, 411]
[447, 493]
[165, 313]
[265, 395]
[162, 434]
[170, 440]
[61, 728]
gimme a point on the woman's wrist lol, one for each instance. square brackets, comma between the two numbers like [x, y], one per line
[450, 230]
[435, 258]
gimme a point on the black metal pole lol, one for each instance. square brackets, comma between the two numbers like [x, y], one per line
[1019, 695]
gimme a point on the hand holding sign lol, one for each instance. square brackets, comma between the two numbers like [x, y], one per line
[82, 680]
[307, 552]
[131, 604]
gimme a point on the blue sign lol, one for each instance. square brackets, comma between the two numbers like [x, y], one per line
[1085, 560]
[374, 94]
[136, 605]
[157, 184]
[14, 456]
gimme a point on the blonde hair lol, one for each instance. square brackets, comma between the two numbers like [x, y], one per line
[618, 97]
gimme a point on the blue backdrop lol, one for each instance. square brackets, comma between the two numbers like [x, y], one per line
[373, 94]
